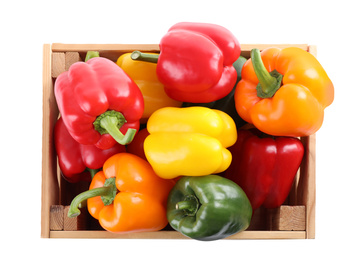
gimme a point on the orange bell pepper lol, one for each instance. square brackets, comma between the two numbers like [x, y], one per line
[283, 92]
[127, 196]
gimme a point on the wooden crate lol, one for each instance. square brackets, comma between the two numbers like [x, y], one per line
[295, 219]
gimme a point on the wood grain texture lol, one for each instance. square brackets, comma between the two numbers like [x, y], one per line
[56, 217]
[76, 223]
[176, 235]
[306, 191]
[58, 63]
[70, 58]
[50, 189]
[288, 218]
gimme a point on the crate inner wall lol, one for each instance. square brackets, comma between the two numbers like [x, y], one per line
[56, 191]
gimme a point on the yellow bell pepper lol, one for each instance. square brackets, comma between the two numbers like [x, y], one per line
[189, 141]
[145, 76]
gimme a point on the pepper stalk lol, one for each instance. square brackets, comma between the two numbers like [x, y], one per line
[189, 205]
[269, 82]
[107, 193]
[110, 123]
[91, 54]
[148, 57]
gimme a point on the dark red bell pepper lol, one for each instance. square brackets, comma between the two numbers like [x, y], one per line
[100, 104]
[76, 161]
[264, 166]
[137, 145]
[195, 63]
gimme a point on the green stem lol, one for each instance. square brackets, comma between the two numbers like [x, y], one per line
[137, 55]
[190, 205]
[269, 82]
[110, 123]
[91, 54]
[107, 193]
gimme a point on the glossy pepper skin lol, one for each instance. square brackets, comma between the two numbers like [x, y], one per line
[76, 161]
[195, 63]
[137, 145]
[126, 196]
[294, 109]
[264, 166]
[227, 103]
[208, 208]
[145, 76]
[189, 141]
[100, 104]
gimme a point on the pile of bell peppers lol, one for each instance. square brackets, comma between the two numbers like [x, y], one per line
[196, 136]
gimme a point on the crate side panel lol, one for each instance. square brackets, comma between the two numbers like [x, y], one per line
[61, 47]
[110, 51]
[176, 235]
[49, 164]
[246, 48]
[306, 190]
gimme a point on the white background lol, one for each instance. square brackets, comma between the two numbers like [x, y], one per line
[336, 27]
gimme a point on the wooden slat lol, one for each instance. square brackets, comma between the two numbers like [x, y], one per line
[70, 58]
[310, 197]
[110, 51]
[269, 235]
[306, 191]
[176, 235]
[56, 217]
[61, 47]
[247, 47]
[58, 63]
[49, 163]
[76, 223]
[287, 218]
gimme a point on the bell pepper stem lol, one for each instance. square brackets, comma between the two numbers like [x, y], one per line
[137, 55]
[107, 193]
[189, 205]
[110, 123]
[91, 54]
[269, 82]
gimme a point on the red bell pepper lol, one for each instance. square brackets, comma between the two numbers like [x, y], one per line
[137, 145]
[195, 63]
[100, 104]
[76, 161]
[264, 166]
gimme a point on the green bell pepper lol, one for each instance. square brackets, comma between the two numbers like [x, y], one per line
[208, 207]
[227, 103]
